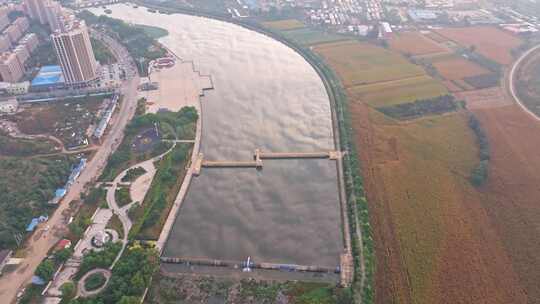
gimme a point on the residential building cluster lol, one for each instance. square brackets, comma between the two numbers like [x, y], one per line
[70, 39]
[15, 46]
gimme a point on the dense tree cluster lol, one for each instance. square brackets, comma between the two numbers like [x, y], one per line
[26, 185]
[436, 105]
[480, 174]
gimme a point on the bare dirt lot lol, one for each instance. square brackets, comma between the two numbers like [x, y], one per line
[491, 42]
[414, 43]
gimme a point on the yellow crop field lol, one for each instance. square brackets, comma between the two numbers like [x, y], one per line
[283, 25]
[399, 91]
[359, 63]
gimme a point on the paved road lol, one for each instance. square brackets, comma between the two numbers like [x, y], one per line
[41, 241]
[511, 82]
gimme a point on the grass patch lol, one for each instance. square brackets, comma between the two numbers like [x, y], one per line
[116, 225]
[94, 281]
[122, 196]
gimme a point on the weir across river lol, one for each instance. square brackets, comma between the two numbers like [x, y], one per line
[258, 157]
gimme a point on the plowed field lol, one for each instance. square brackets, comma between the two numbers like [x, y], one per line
[491, 42]
[414, 43]
[455, 68]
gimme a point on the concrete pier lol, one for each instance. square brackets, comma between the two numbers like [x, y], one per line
[231, 164]
[254, 265]
[258, 157]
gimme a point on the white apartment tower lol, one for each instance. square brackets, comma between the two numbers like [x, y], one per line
[75, 54]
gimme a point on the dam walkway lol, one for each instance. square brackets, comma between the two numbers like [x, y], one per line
[259, 156]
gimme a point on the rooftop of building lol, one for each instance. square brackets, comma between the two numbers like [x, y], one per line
[49, 75]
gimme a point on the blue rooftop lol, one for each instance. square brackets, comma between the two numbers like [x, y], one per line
[49, 75]
[60, 192]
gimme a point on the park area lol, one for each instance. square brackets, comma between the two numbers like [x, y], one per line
[488, 41]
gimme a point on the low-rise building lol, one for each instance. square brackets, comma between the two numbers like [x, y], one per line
[10, 68]
[9, 106]
[49, 77]
[18, 88]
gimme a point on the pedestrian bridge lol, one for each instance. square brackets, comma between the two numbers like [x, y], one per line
[258, 157]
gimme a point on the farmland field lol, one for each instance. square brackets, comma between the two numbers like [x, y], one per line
[485, 98]
[455, 68]
[489, 41]
[359, 63]
[414, 43]
[287, 24]
[434, 241]
[399, 91]
[513, 192]
[307, 36]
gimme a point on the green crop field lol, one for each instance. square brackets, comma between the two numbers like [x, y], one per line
[360, 63]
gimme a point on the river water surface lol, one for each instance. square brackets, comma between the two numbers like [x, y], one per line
[265, 96]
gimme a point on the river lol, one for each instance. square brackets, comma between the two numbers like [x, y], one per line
[265, 96]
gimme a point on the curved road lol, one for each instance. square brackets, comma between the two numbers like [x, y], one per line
[511, 82]
[41, 241]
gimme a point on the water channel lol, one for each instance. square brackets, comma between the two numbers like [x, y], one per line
[265, 96]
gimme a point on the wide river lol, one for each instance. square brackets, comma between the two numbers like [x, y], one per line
[265, 96]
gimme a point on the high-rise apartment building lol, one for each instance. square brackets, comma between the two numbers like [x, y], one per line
[4, 19]
[53, 13]
[75, 54]
[36, 10]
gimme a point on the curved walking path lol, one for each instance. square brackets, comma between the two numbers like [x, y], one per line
[511, 82]
[81, 288]
[122, 212]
